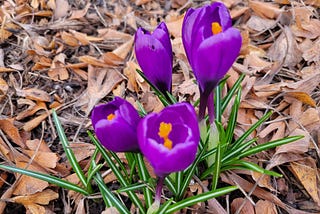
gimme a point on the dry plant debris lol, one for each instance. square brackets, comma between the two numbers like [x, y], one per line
[71, 55]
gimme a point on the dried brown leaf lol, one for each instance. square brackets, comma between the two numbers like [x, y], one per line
[77, 14]
[123, 50]
[28, 185]
[62, 9]
[308, 177]
[303, 97]
[34, 94]
[298, 147]
[44, 159]
[101, 81]
[93, 61]
[285, 49]
[69, 39]
[7, 126]
[33, 123]
[264, 9]
[237, 203]
[82, 150]
[42, 198]
[264, 206]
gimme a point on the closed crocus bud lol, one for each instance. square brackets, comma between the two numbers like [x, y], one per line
[115, 125]
[154, 55]
[211, 44]
[169, 139]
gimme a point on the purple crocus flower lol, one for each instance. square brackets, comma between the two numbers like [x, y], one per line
[115, 125]
[154, 55]
[169, 139]
[211, 45]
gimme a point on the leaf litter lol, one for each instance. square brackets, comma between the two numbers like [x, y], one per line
[72, 55]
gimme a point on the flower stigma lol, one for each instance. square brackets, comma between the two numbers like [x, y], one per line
[164, 131]
[111, 116]
[216, 28]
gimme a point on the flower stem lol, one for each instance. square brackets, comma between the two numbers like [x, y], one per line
[203, 105]
[210, 105]
[157, 197]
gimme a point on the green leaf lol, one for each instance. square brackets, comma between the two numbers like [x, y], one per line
[165, 206]
[69, 153]
[269, 145]
[161, 96]
[200, 198]
[251, 129]
[144, 175]
[232, 152]
[233, 118]
[226, 100]
[132, 187]
[216, 168]
[50, 179]
[217, 103]
[189, 173]
[241, 164]
[123, 181]
[110, 196]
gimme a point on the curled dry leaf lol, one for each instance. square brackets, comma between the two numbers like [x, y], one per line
[303, 97]
[7, 126]
[264, 9]
[101, 81]
[31, 110]
[285, 49]
[33, 202]
[34, 94]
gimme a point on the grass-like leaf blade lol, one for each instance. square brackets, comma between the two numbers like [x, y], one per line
[49, 178]
[200, 198]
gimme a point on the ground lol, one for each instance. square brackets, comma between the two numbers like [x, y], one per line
[70, 55]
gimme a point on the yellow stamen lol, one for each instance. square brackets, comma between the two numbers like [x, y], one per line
[167, 143]
[164, 131]
[216, 28]
[111, 116]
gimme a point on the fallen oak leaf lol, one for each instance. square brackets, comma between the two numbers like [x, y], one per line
[42, 198]
[34, 94]
[93, 61]
[7, 126]
[33, 202]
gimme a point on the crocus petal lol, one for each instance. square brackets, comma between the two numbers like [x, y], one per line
[154, 55]
[161, 33]
[117, 133]
[203, 17]
[215, 56]
[117, 136]
[185, 137]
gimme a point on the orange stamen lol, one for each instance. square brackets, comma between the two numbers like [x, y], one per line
[164, 131]
[216, 28]
[111, 116]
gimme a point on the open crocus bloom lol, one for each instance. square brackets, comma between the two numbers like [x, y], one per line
[154, 55]
[169, 139]
[211, 44]
[115, 125]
